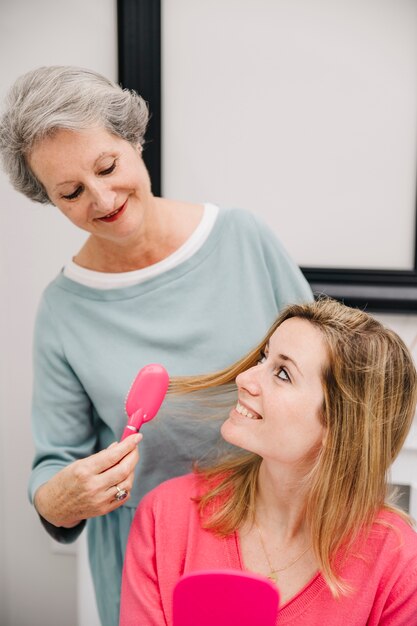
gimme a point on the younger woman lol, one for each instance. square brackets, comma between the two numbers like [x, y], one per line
[324, 406]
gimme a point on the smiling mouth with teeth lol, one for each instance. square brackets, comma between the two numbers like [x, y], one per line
[244, 411]
[111, 214]
[114, 215]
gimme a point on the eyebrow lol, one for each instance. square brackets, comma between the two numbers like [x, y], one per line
[67, 182]
[285, 357]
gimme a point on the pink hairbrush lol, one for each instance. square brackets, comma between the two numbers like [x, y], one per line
[225, 598]
[145, 397]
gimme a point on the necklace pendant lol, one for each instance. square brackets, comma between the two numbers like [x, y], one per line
[273, 577]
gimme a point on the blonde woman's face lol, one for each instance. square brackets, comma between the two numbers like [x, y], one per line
[278, 414]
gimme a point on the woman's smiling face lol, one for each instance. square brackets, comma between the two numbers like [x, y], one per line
[96, 179]
[280, 400]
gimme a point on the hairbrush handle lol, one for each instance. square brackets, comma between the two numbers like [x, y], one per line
[134, 424]
[145, 397]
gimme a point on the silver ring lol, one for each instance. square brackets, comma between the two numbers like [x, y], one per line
[121, 494]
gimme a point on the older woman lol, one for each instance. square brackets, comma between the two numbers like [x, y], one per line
[190, 286]
[323, 407]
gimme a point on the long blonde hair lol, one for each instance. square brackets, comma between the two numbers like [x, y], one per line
[370, 395]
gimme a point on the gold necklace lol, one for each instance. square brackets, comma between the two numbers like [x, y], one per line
[273, 572]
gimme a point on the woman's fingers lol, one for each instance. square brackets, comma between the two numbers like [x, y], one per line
[113, 466]
[121, 474]
[105, 459]
[87, 487]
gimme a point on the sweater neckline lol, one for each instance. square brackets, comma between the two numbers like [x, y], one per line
[118, 280]
[295, 605]
[153, 283]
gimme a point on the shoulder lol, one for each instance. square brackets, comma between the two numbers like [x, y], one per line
[45, 317]
[265, 256]
[244, 219]
[395, 534]
[169, 511]
[391, 546]
[383, 560]
[187, 485]
[250, 231]
[396, 556]
[176, 494]
[53, 304]
[51, 295]
[53, 286]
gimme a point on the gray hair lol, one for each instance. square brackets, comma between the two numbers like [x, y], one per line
[62, 98]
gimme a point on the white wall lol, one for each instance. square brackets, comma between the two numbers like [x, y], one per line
[37, 585]
[304, 110]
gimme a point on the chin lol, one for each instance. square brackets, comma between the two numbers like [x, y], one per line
[225, 430]
[231, 433]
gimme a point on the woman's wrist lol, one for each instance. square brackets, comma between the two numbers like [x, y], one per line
[51, 514]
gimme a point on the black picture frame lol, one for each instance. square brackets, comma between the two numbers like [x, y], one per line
[139, 64]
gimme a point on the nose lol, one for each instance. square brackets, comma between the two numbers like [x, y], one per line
[103, 197]
[249, 380]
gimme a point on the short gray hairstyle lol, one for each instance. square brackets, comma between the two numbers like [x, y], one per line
[57, 97]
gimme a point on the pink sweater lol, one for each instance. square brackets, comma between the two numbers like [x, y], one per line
[167, 541]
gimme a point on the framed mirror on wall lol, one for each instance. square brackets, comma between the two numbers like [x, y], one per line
[304, 111]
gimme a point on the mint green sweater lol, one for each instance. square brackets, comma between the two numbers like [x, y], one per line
[197, 317]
